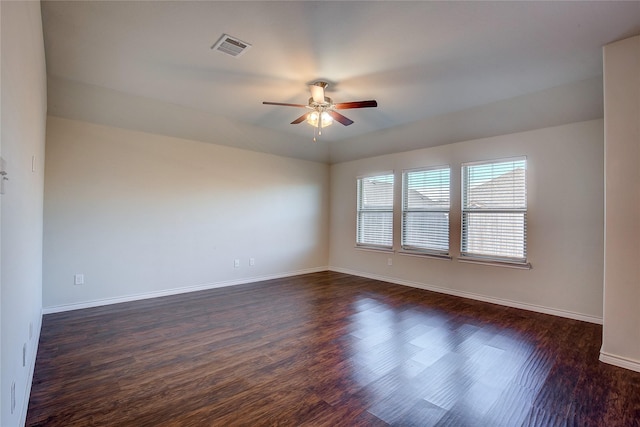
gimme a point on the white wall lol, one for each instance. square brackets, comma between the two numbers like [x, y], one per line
[621, 334]
[565, 222]
[23, 136]
[144, 215]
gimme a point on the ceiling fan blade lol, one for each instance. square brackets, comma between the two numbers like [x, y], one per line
[300, 119]
[340, 118]
[317, 93]
[284, 104]
[356, 104]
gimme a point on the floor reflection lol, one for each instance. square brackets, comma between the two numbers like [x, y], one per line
[414, 361]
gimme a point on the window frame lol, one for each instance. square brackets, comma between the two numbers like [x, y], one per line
[406, 212]
[361, 211]
[465, 212]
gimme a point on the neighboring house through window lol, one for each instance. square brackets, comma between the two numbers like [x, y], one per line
[425, 210]
[494, 211]
[375, 211]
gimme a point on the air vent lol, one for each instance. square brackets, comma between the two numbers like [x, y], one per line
[231, 45]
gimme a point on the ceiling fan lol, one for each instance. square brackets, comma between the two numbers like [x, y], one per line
[323, 110]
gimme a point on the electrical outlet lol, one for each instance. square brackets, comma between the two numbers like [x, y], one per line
[252, 262]
[389, 261]
[78, 279]
[236, 263]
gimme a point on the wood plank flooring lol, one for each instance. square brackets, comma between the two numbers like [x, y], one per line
[324, 349]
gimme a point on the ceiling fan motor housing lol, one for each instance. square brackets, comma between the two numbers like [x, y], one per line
[327, 104]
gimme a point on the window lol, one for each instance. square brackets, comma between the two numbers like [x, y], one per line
[375, 211]
[494, 210]
[425, 210]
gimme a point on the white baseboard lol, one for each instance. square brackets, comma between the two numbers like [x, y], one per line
[202, 287]
[621, 362]
[478, 297]
[175, 291]
[35, 339]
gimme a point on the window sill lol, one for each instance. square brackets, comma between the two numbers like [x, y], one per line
[424, 255]
[516, 265]
[374, 249]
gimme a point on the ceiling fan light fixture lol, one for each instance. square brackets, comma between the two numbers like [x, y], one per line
[323, 111]
[319, 119]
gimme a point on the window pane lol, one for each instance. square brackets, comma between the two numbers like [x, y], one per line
[494, 234]
[375, 228]
[425, 215]
[427, 189]
[495, 186]
[426, 230]
[377, 192]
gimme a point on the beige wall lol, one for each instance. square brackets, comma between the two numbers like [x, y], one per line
[145, 215]
[565, 222]
[23, 136]
[621, 335]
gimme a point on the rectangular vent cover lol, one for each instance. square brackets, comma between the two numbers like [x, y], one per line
[231, 45]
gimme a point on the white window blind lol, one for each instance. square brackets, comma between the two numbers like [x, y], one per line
[425, 210]
[494, 210]
[375, 211]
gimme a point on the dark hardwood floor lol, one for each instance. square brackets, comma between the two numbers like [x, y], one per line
[324, 349]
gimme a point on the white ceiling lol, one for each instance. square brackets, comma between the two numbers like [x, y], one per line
[148, 66]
